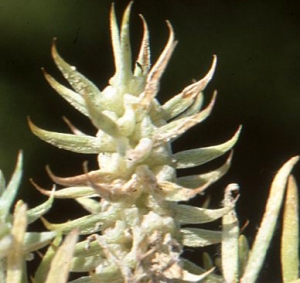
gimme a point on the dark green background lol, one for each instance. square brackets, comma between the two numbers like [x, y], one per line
[257, 78]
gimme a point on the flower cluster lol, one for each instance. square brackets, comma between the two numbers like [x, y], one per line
[135, 225]
[138, 222]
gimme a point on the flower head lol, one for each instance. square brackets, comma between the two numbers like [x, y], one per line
[135, 225]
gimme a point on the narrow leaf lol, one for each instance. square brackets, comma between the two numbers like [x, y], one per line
[36, 212]
[10, 192]
[87, 224]
[15, 258]
[91, 205]
[230, 236]
[290, 234]
[85, 264]
[194, 237]
[143, 60]
[72, 192]
[100, 120]
[44, 266]
[75, 99]
[34, 241]
[243, 254]
[196, 157]
[154, 76]
[174, 192]
[62, 260]
[2, 183]
[78, 82]
[195, 181]
[176, 128]
[88, 248]
[124, 69]
[207, 261]
[187, 277]
[185, 99]
[5, 241]
[73, 129]
[98, 176]
[194, 108]
[268, 223]
[187, 214]
[192, 267]
[115, 38]
[75, 143]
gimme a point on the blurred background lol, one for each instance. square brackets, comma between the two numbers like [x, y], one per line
[257, 78]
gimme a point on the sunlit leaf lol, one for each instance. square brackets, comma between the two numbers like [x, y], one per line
[195, 181]
[180, 102]
[268, 223]
[187, 214]
[10, 192]
[230, 236]
[195, 237]
[60, 266]
[290, 234]
[36, 240]
[75, 143]
[199, 156]
[16, 257]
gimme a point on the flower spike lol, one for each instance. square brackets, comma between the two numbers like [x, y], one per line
[134, 226]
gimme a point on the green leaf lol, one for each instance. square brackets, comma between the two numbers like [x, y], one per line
[243, 253]
[143, 61]
[60, 265]
[36, 212]
[110, 273]
[195, 181]
[87, 224]
[187, 277]
[2, 183]
[44, 266]
[16, 257]
[100, 120]
[10, 192]
[71, 192]
[75, 143]
[268, 223]
[207, 261]
[194, 108]
[86, 263]
[290, 234]
[182, 101]
[154, 76]
[75, 99]
[5, 240]
[192, 267]
[194, 237]
[195, 157]
[174, 192]
[121, 48]
[230, 236]
[78, 82]
[187, 214]
[176, 128]
[91, 205]
[36, 240]
[88, 248]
